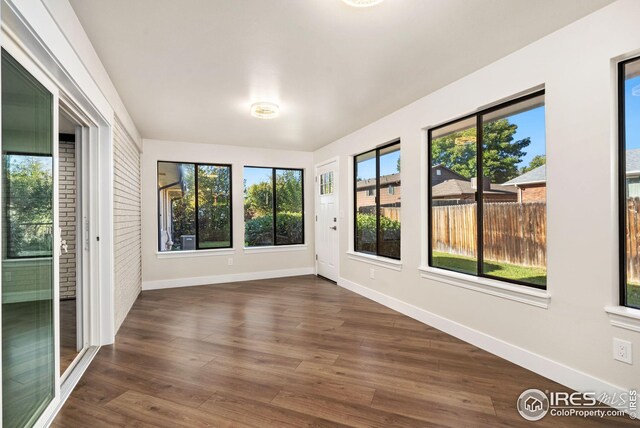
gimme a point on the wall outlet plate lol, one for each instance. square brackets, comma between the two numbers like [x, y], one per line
[372, 273]
[230, 261]
[622, 351]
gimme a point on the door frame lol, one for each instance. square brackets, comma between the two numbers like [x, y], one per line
[83, 204]
[27, 46]
[316, 198]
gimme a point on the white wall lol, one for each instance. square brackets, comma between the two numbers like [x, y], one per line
[575, 65]
[127, 223]
[206, 267]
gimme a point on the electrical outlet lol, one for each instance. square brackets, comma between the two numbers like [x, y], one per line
[622, 351]
[372, 273]
[230, 261]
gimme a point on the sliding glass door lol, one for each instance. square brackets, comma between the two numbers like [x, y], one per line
[29, 255]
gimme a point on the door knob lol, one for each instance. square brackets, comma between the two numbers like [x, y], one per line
[333, 227]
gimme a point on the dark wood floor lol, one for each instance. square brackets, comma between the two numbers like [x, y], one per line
[292, 352]
[68, 333]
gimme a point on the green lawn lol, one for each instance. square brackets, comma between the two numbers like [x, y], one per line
[214, 244]
[531, 275]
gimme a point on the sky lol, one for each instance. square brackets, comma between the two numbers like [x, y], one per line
[530, 124]
[632, 112]
[257, 175]
[388, 165]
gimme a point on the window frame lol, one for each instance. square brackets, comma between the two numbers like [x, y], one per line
[622, 182]
[196, 208]
[7, 250]
[479, 190]
[275, 204]
[376, 194]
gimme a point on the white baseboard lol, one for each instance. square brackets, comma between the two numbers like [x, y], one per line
[219, 279]
[543, 366]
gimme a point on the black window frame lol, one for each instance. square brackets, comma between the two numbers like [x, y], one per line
[479, 190]
[275, 204]
[377, 199]
[196, 165]
[622, 183]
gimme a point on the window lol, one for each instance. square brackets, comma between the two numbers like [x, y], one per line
[326, 183]
[629, 183]
[28, 205]
[489, 217]
[274, 206]
[391, 190]
[194, 206]
[377, 213]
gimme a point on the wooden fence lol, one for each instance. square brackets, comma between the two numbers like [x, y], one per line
[633, 240]
[513, 232]
[390, 212]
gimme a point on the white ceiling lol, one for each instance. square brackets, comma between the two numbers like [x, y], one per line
[189, 70]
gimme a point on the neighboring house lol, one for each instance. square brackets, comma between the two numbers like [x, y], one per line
[390, 192]
[532, 185]
[440, 173]
[465, 190]
[633, 173]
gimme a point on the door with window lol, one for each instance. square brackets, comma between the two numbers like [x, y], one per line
[327, 221]
[30, 368]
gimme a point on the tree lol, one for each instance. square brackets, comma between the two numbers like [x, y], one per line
[501, 154]
[536, 161]
[258, 196]
[258, 199]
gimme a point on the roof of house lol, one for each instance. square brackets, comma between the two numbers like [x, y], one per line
[536, 175]
[633, 161]
[441, 166]
[461, 187]
[385, 179]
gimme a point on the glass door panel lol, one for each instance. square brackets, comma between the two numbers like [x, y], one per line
[28, 343]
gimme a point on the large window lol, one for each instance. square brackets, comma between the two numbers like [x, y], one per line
[194, 206]
[273, 206]
[377, 201]
[629, 185]
[487, 193]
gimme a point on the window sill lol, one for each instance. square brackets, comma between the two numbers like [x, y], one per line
[623, 317]
[376, 260]
[195, 253]
[275, 248]
[517, 293]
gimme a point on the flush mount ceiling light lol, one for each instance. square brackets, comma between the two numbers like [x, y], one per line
[265, 110]
[362, 3]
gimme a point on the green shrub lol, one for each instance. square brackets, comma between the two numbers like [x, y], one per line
[259, 230]
[389, 235]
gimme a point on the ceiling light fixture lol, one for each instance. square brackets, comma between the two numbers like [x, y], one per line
[362, 3]
[265, 110]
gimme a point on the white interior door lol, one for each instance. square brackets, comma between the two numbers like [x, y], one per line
[327, 251]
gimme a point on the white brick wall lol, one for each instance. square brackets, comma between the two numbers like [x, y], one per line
[127, 222]
[67, 186]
